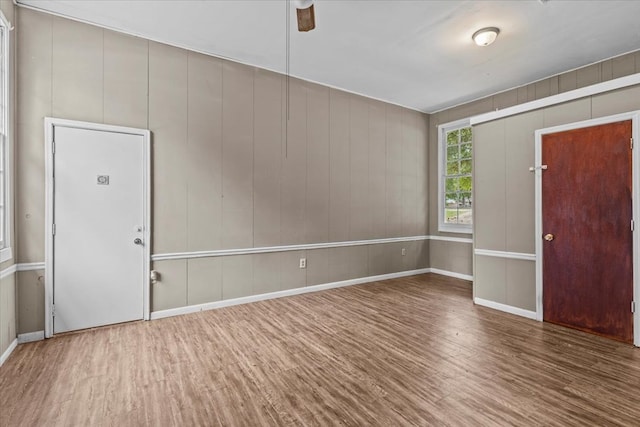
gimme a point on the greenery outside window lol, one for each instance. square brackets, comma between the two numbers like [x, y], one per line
[455, 194]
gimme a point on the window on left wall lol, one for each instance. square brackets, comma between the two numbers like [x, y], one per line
[5, 165]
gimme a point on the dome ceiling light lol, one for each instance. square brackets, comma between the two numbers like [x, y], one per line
[485, 36]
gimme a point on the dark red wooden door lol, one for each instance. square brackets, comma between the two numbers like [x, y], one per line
[586, 215]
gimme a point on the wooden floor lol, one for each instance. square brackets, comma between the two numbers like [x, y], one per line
[411, 351]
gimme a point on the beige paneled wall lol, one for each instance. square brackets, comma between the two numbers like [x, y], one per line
[199, 281]
[7, 311]
[458, 257]
[30, 301]
[505, 211]
[233, 165]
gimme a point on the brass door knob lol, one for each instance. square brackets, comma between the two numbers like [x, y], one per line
[549, 237]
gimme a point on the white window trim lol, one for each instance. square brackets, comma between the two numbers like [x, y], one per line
[442, 131]
[6, 253]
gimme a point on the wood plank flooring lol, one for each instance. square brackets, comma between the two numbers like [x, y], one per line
[410, 351]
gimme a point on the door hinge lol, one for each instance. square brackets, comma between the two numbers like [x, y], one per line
[53, 310]
[53, 229]
[633, 225]
[53, 147]
[631, 143]
[633, 306]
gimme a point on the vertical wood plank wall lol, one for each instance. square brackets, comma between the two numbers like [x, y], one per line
[223, 177]
[505, 199]
[458, 257]
[229, 170]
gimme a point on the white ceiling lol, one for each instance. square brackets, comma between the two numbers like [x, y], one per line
[418, 54]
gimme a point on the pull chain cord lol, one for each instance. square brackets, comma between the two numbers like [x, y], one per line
[287, 71]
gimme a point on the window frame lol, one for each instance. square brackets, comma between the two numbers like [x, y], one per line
[443, 129]
[6, 252]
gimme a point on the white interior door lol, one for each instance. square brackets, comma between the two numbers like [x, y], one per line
[98, 209]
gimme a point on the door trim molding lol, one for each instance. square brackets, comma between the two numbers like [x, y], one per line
[49, 124]
[634, 116]
[583, 92]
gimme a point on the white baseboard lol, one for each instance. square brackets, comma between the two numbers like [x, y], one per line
[506, 308]
[451, 274]
[30, 337]
[8, 351]
[279, 294]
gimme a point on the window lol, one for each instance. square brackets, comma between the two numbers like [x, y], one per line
[5, 248]
[455, 152]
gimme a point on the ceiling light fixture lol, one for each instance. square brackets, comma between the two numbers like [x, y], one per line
[485, 36]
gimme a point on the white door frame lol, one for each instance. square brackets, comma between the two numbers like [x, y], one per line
[634, 116]
[49, 124]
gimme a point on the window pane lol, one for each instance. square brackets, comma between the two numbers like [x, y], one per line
[465, 213]
[465, 134]
[465, 184]
[451, 208]
[465, 151]
[453, 153]
[465, 200]
[458, 167]
[465, 166]
[451, 185]
[453, 137]
[465, 216]
[451, 216]
[453, 168]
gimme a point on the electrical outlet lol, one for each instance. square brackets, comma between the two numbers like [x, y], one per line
[404, 251]
[303, 263]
